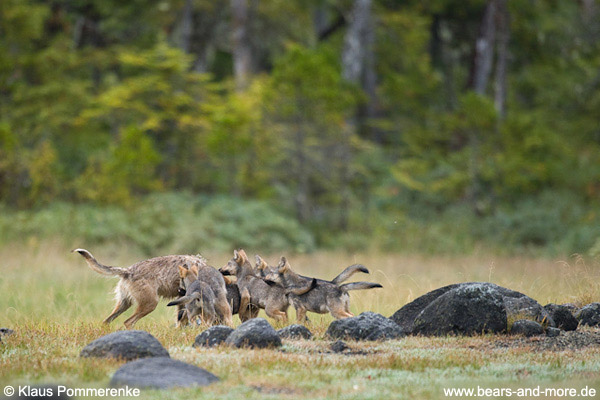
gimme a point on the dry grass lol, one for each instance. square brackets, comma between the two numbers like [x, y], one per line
[55, 303]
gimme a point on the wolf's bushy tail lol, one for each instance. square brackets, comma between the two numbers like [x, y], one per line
[100, 268]
[348, 272]
[360, 286]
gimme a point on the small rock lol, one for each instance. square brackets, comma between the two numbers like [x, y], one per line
[526, 328]
[339, 346]
[562, 316]
[552, 332]
[213, 336]
[161, 373]
[5, 332]
[589, 315]
[294, 331]
[254, 333]
[367, 326]
[127, 345]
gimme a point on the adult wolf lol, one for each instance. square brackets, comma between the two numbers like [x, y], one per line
[145, 282]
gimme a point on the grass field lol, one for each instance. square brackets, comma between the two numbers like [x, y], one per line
[55, 304]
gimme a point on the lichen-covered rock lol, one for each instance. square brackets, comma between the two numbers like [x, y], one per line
[589, 315]
[552, 332]
[468, 308]
[126, 345]
[526, 328]
[254, 333]
[161, 373]
[366, 326]
[213, 336]
[339, 346]
[295, 331]
[562, 316]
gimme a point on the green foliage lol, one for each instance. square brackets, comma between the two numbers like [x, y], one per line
[98, 105]
[126, 170]
[162, 223]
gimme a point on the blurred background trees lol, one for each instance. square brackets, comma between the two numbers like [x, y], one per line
[436, 125]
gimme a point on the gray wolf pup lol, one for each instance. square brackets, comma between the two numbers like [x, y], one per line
[199, 299]
[326, 296]
[255, 292]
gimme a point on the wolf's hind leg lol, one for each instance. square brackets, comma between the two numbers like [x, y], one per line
[123, 304]
[223, 310]
[147, 300]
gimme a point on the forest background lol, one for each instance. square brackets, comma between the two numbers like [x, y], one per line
[438, 126]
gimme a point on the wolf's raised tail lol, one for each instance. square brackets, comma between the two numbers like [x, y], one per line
[100, 268]
[348, 272]
[360, 286]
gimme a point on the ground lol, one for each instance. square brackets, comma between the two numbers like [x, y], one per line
[55, 304]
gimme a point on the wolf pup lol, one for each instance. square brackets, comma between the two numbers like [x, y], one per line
[146, 281]
[255, 292]
[326, 296]
[199, 299]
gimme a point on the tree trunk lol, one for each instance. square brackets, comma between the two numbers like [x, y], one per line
[503, 22]
[358, 67]
[484, 50]
[185, 28]
[356, 41]
[242, 57]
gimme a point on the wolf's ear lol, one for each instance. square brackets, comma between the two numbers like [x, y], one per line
[243, 255]
[237, 257]
[194, 270]
[283, 265]
[182, 271]
[260, 263]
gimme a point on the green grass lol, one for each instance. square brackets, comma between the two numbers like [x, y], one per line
[55, 304]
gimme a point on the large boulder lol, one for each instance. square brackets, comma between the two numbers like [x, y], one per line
[254, 333]
[526, 328]
[161, 373]
[468, 308]
[589, 315]
[366, 326]
[295, 331]
[213, 336]
[562, 316]
[126, 345]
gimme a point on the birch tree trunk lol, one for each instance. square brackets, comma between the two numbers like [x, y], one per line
[242, 56]
[503, 22]
[484, 50]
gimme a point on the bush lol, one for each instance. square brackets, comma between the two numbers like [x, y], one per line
[170, 222]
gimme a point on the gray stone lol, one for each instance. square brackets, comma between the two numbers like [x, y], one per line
[589, 315]
[366, 326]
[562, 316]
[552, 332]
[294, 331]
[126, 345]
[339, 346]
[213, 336]
[254, 333]
[526, 328]
[405, 316]
[161, 373]
[5, 332]
[468, 308]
